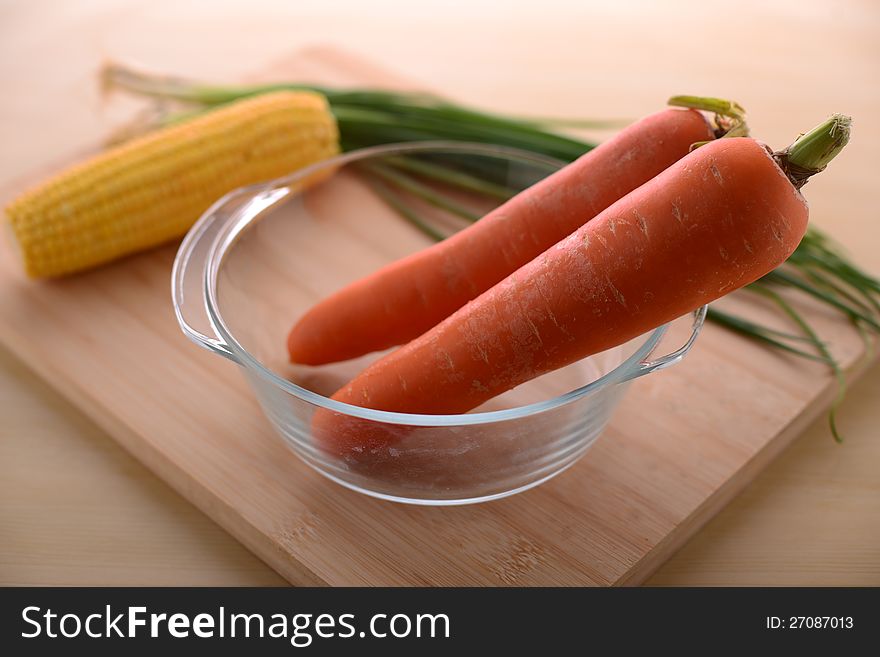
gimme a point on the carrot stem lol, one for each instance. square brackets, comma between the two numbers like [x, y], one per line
[730, 116]
[716, 105]
[812, 151]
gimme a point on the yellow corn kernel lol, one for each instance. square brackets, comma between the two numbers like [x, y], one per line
[151, 190]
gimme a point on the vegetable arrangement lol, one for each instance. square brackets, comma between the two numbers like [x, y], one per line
[718, 219]
[152, 188]
[367, 117]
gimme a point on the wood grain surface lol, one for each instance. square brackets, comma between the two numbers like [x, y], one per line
[58, 493]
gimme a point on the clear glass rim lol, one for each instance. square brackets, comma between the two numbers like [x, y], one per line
[238, 222]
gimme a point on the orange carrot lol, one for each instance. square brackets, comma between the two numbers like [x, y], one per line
[406, 298]
[719, 219]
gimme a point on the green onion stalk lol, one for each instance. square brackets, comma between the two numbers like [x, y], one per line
[368, 117]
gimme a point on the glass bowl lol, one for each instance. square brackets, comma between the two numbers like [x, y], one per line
[264, 254]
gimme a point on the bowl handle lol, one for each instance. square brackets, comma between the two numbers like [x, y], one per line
[648, 366]
[189, 279]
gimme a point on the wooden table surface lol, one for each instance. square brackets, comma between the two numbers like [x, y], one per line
[76, 509]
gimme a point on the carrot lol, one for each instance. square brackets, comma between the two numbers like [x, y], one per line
[408, 297]
[719, 219]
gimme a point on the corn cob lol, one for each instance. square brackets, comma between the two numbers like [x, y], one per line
[151, 190]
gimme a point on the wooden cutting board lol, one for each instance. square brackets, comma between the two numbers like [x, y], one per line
[682, 444]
